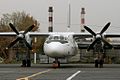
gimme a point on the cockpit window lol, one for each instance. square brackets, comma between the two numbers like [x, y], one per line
[60, 39]
[56, 38]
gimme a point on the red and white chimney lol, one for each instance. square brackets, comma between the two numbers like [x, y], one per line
[50, 19]
[82, 19]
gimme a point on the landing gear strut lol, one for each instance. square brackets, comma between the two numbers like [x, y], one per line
[26, 62]
[56, 63]
[23, 63]
[96, 63]
[99, 60]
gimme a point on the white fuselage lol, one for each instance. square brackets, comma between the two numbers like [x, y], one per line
[60, 46]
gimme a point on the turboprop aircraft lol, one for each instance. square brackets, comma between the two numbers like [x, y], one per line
[59, 44]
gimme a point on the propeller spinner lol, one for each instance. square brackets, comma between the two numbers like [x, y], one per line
[98, 36]
[20, 36]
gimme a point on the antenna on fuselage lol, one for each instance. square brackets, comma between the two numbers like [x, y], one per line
[69, 17]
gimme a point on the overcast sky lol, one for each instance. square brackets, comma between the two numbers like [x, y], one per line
[98, 12]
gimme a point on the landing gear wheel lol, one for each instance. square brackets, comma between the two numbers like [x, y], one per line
[101, 63]
[96, 63]
[28, 63]
[23, 63]
[56, 64]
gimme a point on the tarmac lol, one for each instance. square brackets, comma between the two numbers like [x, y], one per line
[65, 72]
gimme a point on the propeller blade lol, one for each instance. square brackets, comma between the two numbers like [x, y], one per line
[27, 44]
[92, 44]
[89, 30]
[13, 43]
[105, 28]
[29, 29]
[107, 43]
[13, 28]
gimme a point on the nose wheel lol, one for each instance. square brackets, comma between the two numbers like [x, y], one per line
[56, 63]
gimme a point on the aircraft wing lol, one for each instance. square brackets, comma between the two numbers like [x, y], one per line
[87, 35]
[30, 33]
[33, 34]
[85, 45]
[7, 34]
[112, 35]
[82, 35]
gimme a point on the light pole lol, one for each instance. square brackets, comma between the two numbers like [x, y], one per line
[35, 41]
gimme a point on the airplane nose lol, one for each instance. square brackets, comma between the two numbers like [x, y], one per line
[54, 49]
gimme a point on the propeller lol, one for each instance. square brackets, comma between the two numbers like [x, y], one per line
[98, 36]
[20, 36]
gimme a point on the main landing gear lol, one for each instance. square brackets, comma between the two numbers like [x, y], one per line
[26, 63]
[99, 60]
[56, 63]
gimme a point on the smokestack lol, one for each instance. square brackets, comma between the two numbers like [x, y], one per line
[82, 19]
[50, 19]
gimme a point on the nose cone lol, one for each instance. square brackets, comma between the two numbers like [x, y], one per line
[54, 49]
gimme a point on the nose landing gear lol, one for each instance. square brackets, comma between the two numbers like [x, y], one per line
[56, 63]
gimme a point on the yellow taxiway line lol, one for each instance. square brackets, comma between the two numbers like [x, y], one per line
[28, 77]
